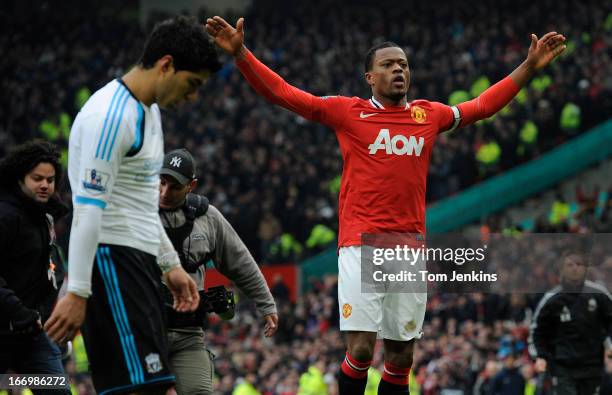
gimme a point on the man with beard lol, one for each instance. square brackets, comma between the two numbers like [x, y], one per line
[30, 268]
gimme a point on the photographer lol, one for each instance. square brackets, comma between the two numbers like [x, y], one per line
[30, 267]
[199, 233]
[571, 327]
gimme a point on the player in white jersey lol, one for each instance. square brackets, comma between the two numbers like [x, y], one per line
[117, 244]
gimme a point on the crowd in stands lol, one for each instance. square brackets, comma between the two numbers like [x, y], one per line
[584, 211]
[276, 176]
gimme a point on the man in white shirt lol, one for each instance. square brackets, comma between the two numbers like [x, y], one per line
[115, 154]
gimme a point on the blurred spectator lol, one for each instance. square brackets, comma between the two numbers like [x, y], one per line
[321, 236]
[509, 381]
[279, 290]
[484, 383]
[560, 211]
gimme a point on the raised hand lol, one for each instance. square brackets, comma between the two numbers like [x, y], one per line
[544, 50]
[228, 38]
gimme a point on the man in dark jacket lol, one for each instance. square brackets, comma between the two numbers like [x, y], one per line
[571, 327]
[28, 259]
[509, 381]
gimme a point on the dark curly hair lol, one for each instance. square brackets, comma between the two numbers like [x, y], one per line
[186, 41]
[369, 58]
[24, 158]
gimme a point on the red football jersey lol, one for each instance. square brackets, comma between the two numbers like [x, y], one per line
[386, 151]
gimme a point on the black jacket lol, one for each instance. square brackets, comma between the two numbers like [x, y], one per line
[508, 382]
[25, 251]
[569, 329]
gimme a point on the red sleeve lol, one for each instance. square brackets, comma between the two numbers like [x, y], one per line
[446, 116]
[488, 102]
[329, 110]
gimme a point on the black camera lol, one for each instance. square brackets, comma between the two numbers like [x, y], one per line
[216, 300]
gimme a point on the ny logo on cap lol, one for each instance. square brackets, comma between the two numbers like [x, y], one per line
[176, 161]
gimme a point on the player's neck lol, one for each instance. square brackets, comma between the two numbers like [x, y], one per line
[386, 101]
[139, 82]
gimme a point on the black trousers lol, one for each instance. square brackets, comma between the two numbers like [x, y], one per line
[564, 384]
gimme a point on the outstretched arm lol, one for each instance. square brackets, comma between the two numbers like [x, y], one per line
[541, 53]
[269, 84]
[234, 260]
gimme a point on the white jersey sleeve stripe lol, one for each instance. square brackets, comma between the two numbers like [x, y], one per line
[110, 150]
[122, 100]
[138, 141]
[110, 117]
[108, 113]
[90, 201]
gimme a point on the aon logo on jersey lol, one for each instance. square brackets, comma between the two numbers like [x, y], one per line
[398, 145]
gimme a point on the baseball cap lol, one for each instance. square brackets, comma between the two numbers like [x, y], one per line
[179, 164]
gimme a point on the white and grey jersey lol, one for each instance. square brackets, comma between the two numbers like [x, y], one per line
[213, 237]
[114, 157]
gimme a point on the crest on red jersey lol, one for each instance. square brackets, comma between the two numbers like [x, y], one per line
[418, 114]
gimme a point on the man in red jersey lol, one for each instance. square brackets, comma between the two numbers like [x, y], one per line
[386, 144]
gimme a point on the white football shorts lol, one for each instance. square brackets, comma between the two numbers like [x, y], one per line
[394, 316]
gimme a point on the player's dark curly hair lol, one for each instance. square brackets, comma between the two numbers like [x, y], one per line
[369, 58]
[24, 158]
[185, 40]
